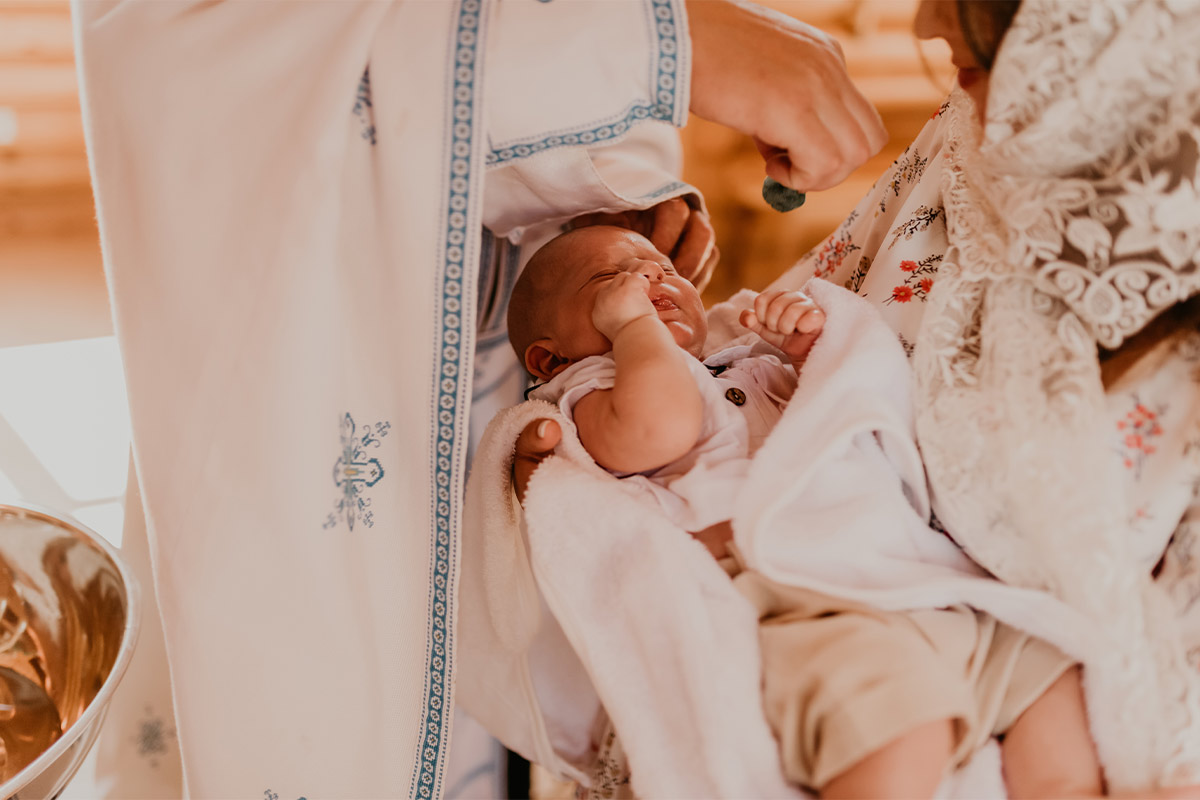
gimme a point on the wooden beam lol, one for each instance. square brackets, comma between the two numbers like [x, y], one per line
[56, 8]
[32, 37]
[43, 172]
[47, 213]
[850, 16]
[46, 132]
[40, 87]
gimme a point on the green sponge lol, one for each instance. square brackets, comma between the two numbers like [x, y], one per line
[780, 197]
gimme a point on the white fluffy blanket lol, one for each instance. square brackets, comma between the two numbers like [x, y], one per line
[593, 599]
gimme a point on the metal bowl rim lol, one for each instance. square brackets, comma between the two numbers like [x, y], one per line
[129, 637]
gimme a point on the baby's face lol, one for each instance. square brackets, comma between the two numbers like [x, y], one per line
[598, 254]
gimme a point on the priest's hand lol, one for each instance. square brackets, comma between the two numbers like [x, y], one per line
[785, 84]
[678, 227]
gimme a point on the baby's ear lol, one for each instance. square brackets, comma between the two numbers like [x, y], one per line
[543, 361]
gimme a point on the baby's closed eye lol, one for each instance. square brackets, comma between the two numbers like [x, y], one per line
[600, 277]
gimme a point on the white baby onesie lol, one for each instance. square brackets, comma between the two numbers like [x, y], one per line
[744, 390]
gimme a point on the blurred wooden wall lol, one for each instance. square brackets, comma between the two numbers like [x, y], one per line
[44, 186]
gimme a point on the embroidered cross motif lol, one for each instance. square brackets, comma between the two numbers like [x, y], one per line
[363, 107]
[354, 472]
[153, 737]
[368, 472]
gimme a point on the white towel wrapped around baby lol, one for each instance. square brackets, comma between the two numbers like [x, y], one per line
[594, 601]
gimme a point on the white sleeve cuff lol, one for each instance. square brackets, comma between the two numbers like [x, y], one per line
[583, 97]
[567, 73]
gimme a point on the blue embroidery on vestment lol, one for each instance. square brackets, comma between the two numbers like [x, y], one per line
[363, 109]
[153, 737]
[355, 471]
[664, 82]
[673, 186]
[450, 398]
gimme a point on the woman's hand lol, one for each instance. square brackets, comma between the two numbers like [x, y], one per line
[677, 228]
[535, 444]
[785, 84]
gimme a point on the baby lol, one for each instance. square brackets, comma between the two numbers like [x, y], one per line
[679, 428]
[864, 703]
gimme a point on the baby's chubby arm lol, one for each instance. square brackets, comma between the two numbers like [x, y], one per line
[653, 414]
[788, 320]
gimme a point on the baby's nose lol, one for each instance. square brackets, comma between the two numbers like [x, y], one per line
[651, 269]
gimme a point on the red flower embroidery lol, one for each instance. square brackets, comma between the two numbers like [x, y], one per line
[917, 279]
[831, 255]
[1138, 429]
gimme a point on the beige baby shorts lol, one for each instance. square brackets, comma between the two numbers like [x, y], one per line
[841, 680]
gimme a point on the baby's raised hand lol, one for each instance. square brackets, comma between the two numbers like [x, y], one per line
[788, 320]
[621, 301]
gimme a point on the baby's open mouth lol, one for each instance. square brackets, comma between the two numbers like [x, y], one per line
[662, 303]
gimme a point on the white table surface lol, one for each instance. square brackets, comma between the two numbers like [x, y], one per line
[64, 430]
[64, 445]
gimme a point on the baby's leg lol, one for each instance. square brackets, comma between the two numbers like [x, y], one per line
[908, 767]
[863, 702]
[1048, 751]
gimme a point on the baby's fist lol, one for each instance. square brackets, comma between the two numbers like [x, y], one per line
[621, 301]
[788, 320]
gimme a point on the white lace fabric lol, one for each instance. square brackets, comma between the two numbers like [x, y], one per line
[1073, 220]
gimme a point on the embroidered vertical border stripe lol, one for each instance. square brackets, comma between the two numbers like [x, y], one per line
[451, 389]
[669, 26]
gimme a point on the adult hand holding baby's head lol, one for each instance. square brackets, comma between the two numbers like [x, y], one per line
[621, 301]
[788, 320]
[679, 228]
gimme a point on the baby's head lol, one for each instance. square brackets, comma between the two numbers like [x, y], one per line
[550, 313]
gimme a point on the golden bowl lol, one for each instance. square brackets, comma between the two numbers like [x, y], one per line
[68, 625]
